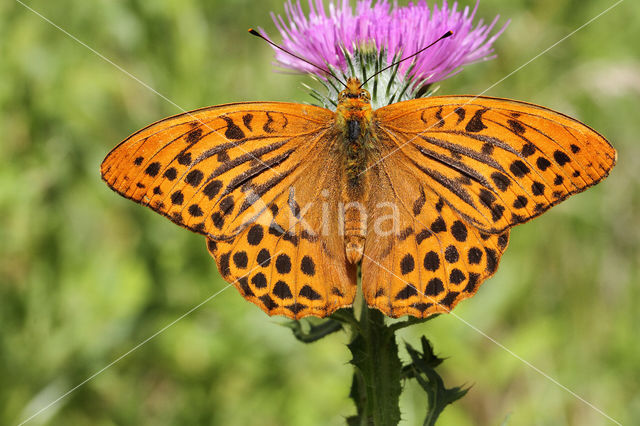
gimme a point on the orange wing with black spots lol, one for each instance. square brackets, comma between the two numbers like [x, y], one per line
[462, 171]
[432, 259]
[290, 261]
[204, 169]
[248, 176]
[496, 162]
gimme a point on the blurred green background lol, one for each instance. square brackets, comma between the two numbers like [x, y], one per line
[86, 275]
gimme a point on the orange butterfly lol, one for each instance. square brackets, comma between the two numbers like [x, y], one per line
[421, 194]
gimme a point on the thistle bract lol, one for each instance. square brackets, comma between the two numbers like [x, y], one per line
[362, 41]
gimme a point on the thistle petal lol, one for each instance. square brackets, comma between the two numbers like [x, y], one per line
[327, 38]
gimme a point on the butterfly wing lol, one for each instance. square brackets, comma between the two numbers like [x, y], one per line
[204, 169]
[291, 261]
[432, 258]
[245, 175]
[496, 162]
[462, 171]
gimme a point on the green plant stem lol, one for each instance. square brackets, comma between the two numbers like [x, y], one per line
[376, 387]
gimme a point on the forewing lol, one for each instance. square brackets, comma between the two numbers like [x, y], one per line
[496, 162]
[205, 169]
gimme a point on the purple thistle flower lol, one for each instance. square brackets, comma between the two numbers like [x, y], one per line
[330, 39]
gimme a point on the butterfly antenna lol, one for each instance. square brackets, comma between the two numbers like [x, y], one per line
[257, 34]
[445, 35]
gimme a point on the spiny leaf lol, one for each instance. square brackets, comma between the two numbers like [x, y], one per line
[438, 395]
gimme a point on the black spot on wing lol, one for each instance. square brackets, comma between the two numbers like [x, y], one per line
[307, 266]
[537, 188]
[255, 235]
[408, 291]
[153, 169]
[475, 124]
[177, 198]
[240, 259]
[492, 260]
[558, 180]
[459, 231]
[516, 127]
[405, 233]
[184, 158]
[456, 276]
[423, 235]
[487, 148]
[296, 307]
[267, 125]
[264, 257]
[194, 136]
[439, 225]
[449, 298]
[542, 163]
[502, 182]
[561, 158]
[282, 290]
[195, 210]
[244, 285]
[283, 264]
[407, 264]
[194, 177]
[233, 131]
[212, 189]
[451, 254]
[246, 120]
[472, 283]
[520, 202]
[474, 255]
[307, 292]
[434, 287]
[171, 173]
[226, 204]
[431, 261]
[519, 169]
[528, 149]
[268, 302]
[440, 121]
[224, 264]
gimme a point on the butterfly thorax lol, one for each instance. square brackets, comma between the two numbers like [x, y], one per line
[354, 123]
[356, 139]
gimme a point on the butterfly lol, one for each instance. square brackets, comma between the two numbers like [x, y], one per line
[418, 196]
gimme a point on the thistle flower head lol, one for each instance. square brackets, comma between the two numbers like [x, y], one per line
[358, 43]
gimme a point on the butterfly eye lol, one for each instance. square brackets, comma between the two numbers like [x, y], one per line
[364, 94]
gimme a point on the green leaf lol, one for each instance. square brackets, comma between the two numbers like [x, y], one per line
[308, 332]
[411, 321]
[438, 395]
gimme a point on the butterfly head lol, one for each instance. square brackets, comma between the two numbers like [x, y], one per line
[354, 94]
